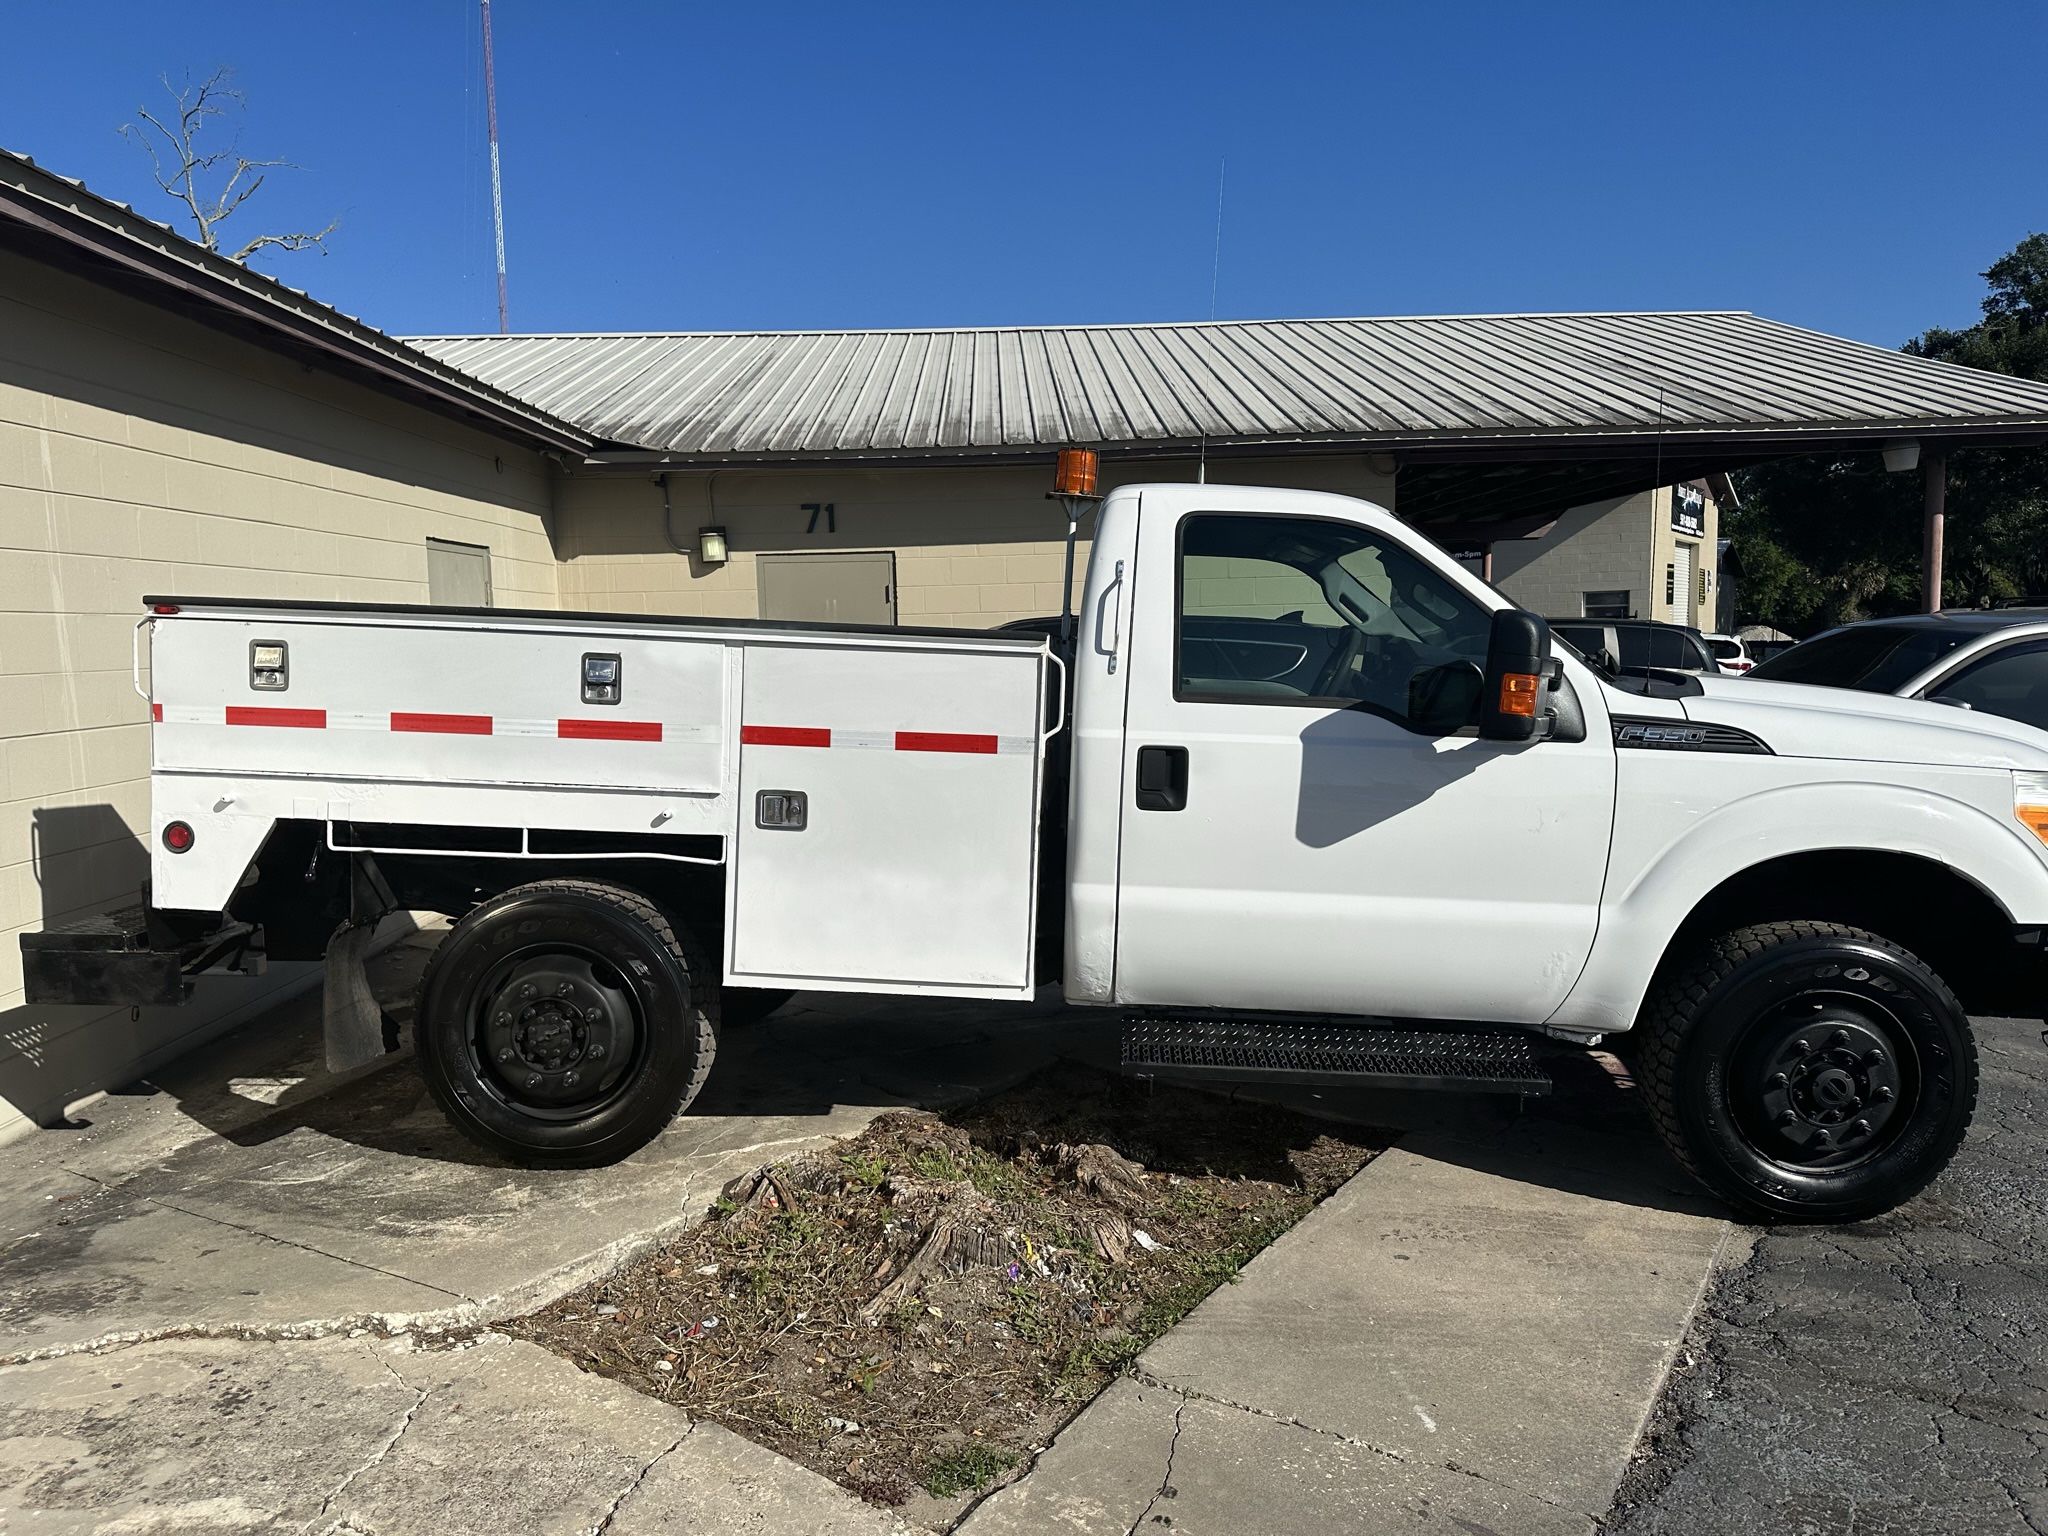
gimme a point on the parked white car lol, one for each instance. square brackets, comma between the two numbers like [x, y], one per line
[1729, 654]
[1994, 661]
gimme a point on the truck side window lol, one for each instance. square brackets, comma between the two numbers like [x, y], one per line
[1306, 611]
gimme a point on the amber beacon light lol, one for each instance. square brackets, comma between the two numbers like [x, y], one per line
[1076, 472]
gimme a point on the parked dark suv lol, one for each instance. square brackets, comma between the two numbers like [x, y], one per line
[1638, 646]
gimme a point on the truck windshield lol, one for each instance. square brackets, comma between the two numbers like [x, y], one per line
[1876, 658]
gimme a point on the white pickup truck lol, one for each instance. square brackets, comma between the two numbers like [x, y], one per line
[1315, 805]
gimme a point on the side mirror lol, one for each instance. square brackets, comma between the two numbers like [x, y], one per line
[1517, 676]
[1445, 698]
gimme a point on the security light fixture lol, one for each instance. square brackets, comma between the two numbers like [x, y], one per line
[711, 546]
[1902, 456]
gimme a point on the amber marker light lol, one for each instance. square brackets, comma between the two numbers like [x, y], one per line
[1518, 693]
[2030, 802]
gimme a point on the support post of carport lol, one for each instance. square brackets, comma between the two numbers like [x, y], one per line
[1934, 478]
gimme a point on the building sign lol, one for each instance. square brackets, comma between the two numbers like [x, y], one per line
[1689, 511]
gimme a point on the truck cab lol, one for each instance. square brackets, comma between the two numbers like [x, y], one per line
[1264, 814]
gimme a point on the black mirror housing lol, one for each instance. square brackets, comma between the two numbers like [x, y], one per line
[1444, 699]
[1511, 703]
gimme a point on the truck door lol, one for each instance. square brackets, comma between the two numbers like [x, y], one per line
[1287, 840]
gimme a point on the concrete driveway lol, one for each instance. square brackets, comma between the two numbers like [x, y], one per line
[245, 1190]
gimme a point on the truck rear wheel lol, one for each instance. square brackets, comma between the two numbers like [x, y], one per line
[565, 1022]
[1807, 1071]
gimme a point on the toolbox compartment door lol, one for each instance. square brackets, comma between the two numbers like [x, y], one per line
[887, 820]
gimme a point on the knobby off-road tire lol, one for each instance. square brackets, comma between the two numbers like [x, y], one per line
[566, 1023]
[1807, 1071]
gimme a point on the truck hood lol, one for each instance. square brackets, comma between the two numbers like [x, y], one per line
[1804, 720]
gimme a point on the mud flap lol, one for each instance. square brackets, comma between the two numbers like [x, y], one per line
[353, 1021]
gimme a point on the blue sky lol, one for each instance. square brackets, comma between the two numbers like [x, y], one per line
[1849, 166]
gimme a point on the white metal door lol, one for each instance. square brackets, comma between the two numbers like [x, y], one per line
[1681, 582]
[1327, 858]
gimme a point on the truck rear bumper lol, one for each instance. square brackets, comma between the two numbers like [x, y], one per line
[114, 959]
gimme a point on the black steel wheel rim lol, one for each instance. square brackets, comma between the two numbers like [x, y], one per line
[555, 1033]
[1824, 1081]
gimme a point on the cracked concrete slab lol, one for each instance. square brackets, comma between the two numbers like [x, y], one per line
[110, 1265]
[718, 1484]
[1464, 1303]
[372, 1436]
[1155, 1460]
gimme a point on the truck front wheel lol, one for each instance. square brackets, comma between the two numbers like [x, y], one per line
[1808, 1071]
[565, 1022]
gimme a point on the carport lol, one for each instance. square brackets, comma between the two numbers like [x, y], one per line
[1491, 425]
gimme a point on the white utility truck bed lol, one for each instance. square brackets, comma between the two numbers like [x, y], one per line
[874, 791]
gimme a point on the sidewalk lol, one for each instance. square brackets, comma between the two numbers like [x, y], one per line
[1466, 1337]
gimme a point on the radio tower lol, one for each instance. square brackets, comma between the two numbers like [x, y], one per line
[497, 185]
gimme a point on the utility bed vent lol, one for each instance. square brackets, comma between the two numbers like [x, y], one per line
[1331, 1052]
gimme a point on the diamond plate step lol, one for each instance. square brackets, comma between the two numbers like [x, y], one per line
[1332, 1053]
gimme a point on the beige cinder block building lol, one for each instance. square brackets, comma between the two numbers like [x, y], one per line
[169, 422]
[173, 423]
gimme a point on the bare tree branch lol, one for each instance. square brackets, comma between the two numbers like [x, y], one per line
[294, 242]
[185, 171]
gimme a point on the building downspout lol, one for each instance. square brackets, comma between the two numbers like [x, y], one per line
[668, 511]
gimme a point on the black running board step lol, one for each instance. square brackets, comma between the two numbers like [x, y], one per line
[1331, 1053]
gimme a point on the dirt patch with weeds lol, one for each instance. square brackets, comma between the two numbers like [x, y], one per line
[914, 1311]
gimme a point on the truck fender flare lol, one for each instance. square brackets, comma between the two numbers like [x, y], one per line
[1640, 919]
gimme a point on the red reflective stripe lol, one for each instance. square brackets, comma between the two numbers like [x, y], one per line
[253, 714]
[156, 711]
[442, 725]
[942, 741]
[608, 730]
[784, 736]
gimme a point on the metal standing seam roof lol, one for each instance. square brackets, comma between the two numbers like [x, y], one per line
[763, 396]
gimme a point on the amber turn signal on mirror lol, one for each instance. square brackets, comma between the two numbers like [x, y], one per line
[1518, 692]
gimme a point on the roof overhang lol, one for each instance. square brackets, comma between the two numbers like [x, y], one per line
[58, 222]
[1465, 479]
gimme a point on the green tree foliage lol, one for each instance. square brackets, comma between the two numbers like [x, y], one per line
[1821, 541]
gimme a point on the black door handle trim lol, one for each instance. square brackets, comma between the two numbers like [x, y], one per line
[1162, 778]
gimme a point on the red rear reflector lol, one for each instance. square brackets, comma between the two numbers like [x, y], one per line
[163, 607]
[442, 725]
[178, 836]
[784, 736]
[1518, 693]
[156, 711]
[608, 730]
[256, 714]
[942, 741]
